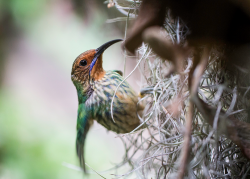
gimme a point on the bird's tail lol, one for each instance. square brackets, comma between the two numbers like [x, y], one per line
[80, 141]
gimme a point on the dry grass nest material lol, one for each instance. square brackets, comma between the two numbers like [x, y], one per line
[215, 93]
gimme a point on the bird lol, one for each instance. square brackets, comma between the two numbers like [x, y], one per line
[95, 89]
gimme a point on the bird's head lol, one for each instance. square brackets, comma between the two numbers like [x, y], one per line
[88, 65]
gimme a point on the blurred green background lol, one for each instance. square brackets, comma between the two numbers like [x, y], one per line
[39, 40]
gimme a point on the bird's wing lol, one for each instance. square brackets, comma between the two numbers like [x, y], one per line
[118, 71]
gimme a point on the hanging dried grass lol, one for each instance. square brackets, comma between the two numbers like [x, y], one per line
[195, 108]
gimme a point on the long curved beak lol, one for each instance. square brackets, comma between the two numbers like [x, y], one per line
[101, 49]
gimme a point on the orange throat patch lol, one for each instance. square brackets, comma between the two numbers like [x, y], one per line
[98, 72]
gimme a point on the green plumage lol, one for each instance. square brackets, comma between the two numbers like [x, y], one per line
[97, 107]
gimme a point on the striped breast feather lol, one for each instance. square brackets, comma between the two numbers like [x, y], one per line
[112, 80]
[104, 90]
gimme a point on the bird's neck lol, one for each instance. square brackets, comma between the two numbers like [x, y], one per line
[99, 74]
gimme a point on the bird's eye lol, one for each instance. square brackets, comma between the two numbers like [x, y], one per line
[83, 63]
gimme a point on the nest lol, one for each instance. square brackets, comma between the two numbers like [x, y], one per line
[196, 125]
